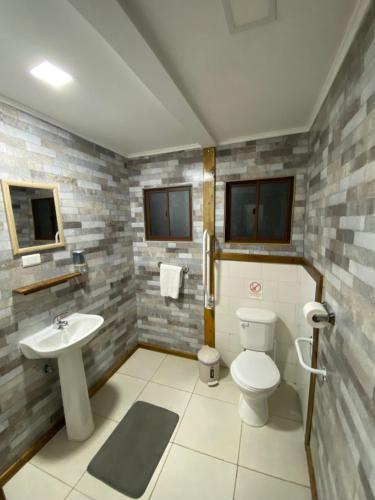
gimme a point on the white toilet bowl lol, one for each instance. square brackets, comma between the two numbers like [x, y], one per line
[257, 377]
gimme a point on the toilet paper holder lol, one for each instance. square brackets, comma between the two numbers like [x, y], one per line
[331, 316]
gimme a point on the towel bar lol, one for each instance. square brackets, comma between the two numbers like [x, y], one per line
[185, 269]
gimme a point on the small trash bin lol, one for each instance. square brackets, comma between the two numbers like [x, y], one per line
[209, 366]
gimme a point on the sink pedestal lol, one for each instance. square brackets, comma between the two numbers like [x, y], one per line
[78, 415]
[65, 344]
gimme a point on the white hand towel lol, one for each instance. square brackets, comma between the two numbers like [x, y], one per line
[170, 280]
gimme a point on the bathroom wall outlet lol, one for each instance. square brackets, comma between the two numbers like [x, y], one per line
[31, 260]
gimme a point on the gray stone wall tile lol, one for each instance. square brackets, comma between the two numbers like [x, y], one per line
[339, 240]
[276, 157]
[93, 189]
[174, 324]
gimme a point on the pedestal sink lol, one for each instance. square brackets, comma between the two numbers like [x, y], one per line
[65, 345]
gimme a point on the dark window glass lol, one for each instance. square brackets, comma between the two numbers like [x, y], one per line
[273, 219]
[168, 213]
[259, 211]
[243, 211]
[158, 210]
[179, 213]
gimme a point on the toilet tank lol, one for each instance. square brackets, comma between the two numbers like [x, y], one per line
[257, 328]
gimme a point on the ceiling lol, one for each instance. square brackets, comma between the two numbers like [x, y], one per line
[158, 75]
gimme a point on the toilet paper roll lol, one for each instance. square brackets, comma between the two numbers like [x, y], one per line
[314, 310]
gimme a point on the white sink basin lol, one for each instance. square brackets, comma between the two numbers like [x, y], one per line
[52, 342]
[65, 345]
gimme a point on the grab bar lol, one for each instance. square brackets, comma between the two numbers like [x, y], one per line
[206, 254]
[316, 371]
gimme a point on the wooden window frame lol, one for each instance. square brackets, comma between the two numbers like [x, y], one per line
[146, 208]
[257, 183]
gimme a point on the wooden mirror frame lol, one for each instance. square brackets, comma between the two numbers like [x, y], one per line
[6, 185]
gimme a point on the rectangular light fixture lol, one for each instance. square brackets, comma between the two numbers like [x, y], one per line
[51, 74]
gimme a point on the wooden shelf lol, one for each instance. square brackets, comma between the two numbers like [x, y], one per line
[42, 285]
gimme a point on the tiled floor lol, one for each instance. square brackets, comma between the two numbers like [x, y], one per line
[212, 454]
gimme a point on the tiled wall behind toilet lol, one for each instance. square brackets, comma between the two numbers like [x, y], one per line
[282, 285]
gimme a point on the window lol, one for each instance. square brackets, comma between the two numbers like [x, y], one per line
[168, 213]
[259, 211]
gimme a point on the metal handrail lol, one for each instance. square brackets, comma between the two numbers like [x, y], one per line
[206, 257]
[316, 371]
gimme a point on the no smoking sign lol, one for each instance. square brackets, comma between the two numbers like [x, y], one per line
[255, 289]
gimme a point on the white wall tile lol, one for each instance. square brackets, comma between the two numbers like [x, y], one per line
[286, 289]
[227, 323]
[286, 353]
[252, 270]
[270, 290]
[289, 373]
[227, 357]
[235, 344]
[280, 272]
[221, 341]
[288, 292]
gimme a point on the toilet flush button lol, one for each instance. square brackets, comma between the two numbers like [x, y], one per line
[31, 260]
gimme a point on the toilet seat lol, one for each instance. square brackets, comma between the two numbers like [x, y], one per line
[255, 371]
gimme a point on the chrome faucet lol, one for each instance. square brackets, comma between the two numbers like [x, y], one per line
[59, 322]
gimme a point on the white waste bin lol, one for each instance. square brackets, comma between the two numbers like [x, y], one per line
[209, 365]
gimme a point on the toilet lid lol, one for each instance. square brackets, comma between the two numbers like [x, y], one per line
[255, 370]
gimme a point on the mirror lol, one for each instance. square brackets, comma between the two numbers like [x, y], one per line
[33, 215]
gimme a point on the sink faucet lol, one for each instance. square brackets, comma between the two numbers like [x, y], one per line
[59, 322]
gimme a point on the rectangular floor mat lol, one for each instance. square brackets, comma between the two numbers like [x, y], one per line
[129, 457]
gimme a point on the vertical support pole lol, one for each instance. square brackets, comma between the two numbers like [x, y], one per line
[209, 178]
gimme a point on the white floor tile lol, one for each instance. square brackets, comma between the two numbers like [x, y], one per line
[251, 484]
[211, 426]
[97, 490]
[189, 475]
[116, 397]
[285, 402]
[143, 364]
[76, 495]
[177, 372]
[30, 482]
[68, 460]
[226, 390]
[276, 449]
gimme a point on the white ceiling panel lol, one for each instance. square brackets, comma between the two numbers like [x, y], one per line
[152, 75]
[264, 79]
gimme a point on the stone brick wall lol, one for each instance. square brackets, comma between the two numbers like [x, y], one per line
[93, 191]
[340, 241]
[277, 157]
[176, 324]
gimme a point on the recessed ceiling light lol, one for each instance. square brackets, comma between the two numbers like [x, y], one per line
[51, 74]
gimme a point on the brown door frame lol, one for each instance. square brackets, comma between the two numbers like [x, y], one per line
[209, 184]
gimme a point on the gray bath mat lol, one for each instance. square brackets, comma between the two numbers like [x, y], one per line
[128, 458]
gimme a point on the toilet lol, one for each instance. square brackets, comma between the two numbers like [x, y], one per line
[255, 373]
